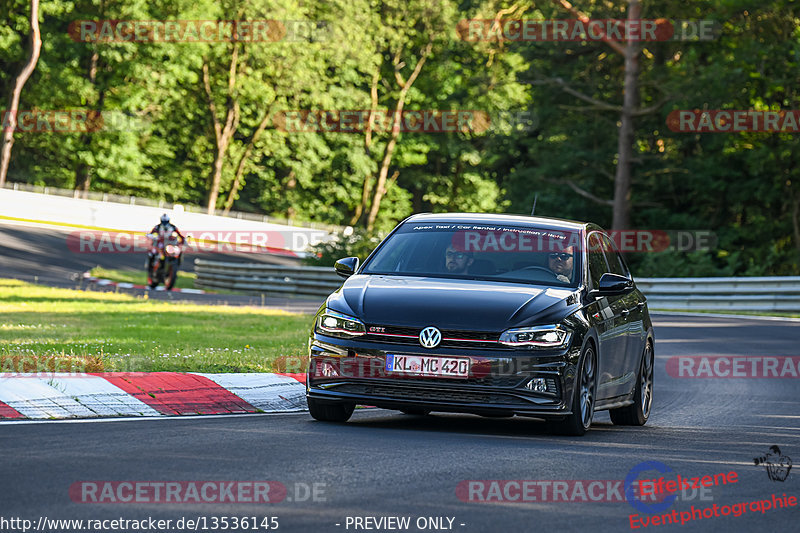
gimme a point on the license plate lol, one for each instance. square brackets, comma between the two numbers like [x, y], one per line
[426, 365]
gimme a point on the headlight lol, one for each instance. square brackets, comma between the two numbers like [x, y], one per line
[551, 336]
[339, 325]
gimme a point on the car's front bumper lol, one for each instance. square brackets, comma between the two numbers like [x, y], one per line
[353, 371]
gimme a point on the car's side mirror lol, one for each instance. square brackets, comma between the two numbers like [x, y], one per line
[612, 285]
[346, 267]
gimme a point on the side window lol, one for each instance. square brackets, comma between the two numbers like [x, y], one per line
[615, 263]
[597, 261]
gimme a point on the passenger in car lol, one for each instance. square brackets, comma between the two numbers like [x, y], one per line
[560, 263]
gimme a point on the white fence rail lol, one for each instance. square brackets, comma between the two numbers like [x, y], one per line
[767, 294]
[78, 214]
[162, 205]
[279, 280]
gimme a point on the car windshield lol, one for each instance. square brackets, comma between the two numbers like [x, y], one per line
[532, 255]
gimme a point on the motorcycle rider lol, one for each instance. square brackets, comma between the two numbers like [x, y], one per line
[163, 229]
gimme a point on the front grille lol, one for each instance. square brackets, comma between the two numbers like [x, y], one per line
[506, 382]
[450, 338]
[427, 394]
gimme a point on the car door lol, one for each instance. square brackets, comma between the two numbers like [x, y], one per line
[610, 323]
[633, 312]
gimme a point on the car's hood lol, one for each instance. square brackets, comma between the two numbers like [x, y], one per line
[448, 303]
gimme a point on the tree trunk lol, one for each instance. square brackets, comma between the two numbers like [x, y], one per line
[83, 180]
[380, 186]
[216, 177]
[237, 179]
[13, 107]
[291, 183]
[83, 174]
[622, 178]
[388, 152]
[222, 134]
[367, 185]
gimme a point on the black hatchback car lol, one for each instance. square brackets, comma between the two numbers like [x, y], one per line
[496, 315]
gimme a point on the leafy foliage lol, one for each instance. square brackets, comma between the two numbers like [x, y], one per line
[359, 243]
[744, 186]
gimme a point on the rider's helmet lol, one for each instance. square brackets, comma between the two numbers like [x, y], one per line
[164, 219]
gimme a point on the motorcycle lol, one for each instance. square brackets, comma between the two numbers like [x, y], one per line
[164, 259]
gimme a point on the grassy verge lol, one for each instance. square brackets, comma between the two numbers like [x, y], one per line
[749, 313]
[44, 329]
[185, 279]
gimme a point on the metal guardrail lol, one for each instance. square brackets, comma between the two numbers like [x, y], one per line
[280, 280]
[766, 294]
[769, 294]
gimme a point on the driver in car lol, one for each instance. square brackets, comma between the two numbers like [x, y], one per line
[560, 263]
[457, 262]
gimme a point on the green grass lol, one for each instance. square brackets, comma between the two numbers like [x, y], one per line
[45, 329]
[185, 279]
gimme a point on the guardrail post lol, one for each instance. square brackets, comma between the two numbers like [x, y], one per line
[280, 280]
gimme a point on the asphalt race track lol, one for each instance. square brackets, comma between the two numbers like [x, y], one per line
[384, 463]
[40, 254]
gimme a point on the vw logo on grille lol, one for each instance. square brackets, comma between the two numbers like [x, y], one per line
[430, 337]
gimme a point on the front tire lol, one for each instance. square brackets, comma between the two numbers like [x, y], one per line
[330, 411]
[637, 413]
[583, 398]
[156, 274]
[172, 276]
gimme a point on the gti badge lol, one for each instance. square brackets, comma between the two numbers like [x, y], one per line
[430, 337]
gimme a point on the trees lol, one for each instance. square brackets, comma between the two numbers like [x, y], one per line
[198, 119]
[405, 35]
[10, 121]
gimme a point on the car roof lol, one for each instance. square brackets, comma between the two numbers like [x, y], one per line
[487, 218]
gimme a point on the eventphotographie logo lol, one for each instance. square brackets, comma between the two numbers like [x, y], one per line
[668, 489]
[778, 465]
